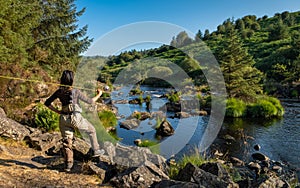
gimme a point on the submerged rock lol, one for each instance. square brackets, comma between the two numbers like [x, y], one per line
[140, 115]
[130, 124]
[182, 115]
[260, 157]
[257, 147]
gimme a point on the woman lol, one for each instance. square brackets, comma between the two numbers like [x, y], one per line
[70, 116]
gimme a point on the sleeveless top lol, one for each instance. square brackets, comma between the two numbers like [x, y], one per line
[68, 96]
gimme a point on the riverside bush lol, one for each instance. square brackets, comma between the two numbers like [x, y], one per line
[235, 108]
[46, 119]
[262, 108]
[107, 118]
[277, 104]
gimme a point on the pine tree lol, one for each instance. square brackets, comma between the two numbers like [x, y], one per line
[58, 37]
[199, 36]
[242, 80]
[17, 19]
[206, 34]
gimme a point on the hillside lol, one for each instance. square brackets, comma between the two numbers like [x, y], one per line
[273, 43]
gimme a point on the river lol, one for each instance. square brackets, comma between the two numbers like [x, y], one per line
[279, 138]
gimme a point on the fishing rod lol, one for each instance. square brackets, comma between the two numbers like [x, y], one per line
[50, 83]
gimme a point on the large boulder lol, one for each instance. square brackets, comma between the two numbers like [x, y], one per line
[12, 129]
[165, 129]
[173, 107]
[176, 184]
[133, 156]
[142, 176]
[42, 141]
[192, 173]
[216, 169]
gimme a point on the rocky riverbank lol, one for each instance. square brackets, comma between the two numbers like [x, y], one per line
[31, 158]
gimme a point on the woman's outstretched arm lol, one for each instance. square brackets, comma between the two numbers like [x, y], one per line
[99, 93]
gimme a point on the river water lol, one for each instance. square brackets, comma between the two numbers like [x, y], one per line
[279, 138]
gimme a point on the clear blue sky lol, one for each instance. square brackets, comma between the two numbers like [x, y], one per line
[103, 16]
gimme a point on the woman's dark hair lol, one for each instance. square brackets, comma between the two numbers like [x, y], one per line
[67, 78]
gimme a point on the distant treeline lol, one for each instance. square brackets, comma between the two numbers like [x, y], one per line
[256, 55]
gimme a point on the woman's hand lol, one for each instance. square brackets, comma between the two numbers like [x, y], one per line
[99, 93]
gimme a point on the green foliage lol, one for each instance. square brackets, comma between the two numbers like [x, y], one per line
[266, 107]
[235, 108]
[58, 35]
[148, 98]
[160, 72]
[272, 42]
[277, 104]
[194, 158]
[140, 99]
[173, 97]
[262, 108]
[137, 115]
[101, 125]
[15, 36]
[182, 39]
[107, 118]
[204, 101]
[158, 122]
[147, 143]
[46, 119]
[241, 78]
[50, 38]
[135, 91]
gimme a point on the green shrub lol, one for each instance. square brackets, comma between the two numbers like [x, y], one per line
[235, 108]
[46, 119]
[277, 104]
[262, 108]
[136, 91]
[148, 98]
[107, 118]
[204, 101]
[140, 99]
[174, 96]
[158, 122]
